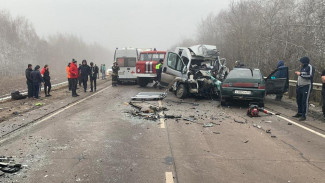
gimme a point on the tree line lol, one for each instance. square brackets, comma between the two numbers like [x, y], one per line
[20, 45]
[261, 32]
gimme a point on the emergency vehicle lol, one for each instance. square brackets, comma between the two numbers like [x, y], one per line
[126, 59]
[146, 66]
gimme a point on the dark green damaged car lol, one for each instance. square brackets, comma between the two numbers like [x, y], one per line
[250, 85]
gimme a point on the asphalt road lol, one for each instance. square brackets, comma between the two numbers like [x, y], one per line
[96, 140]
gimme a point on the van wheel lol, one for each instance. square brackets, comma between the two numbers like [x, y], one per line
[181, 91]
[143, 82]
[223, 101]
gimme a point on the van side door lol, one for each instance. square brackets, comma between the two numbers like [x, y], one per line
[173, 67]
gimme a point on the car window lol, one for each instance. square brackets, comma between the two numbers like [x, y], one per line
[172, 60]
[245, 73]
[180, 65]
[126, 62]
[145, 57]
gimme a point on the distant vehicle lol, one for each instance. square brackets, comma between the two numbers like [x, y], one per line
[146, 66]
[249, 84]
[109, 71]
[189, 71]
[126, 59]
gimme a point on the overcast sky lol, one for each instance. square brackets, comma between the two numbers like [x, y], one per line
[117, 23]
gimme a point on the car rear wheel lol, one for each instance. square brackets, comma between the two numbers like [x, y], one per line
[223, 100]
[143, 82]
[181, 91]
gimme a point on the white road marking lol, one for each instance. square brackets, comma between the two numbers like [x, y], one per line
[301, 126]
[162, 120]
[61, 110]
[169, 177]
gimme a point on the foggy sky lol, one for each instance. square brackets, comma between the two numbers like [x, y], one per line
[117, 23]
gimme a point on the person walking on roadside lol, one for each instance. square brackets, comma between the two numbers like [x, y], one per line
[281, 73]
[103, 71]
[93, 76]
[115, 69]
[68, 75]
[74, 74]
[79, 78]
[304, 87]
[323, 92]
[29, 80]
[97, 70]
[158, 71]
[37, 80]
[47, 81]
[84, 72]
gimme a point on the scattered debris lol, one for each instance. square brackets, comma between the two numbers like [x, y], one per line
[216, 132]
[312, 105]
[191, 119]
[150, 96]
[246, 141]
[206, 125]
[268, 121]
[15, 113]
[16, 95]
[173, 116]
[240, 121]
[38, 104]
[8, 165]
[273, 136]
[289, 123]
[268, 131]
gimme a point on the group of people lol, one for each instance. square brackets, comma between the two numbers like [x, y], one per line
[34, 80]
[82, 74]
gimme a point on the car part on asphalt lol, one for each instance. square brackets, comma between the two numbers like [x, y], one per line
[8, 165]
[150, 96]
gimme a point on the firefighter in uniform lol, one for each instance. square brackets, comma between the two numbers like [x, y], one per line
[115, 69]
[158, 71]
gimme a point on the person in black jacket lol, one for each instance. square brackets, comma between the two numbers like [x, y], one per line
[323, 92]
[93, 76]
[47, 81]
[84, 71]
[29, 80]
[37, 80]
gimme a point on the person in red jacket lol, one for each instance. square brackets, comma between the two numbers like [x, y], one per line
[74, 74]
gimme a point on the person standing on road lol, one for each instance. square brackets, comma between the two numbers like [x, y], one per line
[281, 73]
[158, 72]
[74, 74]
[47, 81]
[79, 78]
[84, 73]
[37, 80]
[93, 76]
[103, 71]
[29, 80]
[304, 87]
[68, 75]
[323, 92]
[97, 70]
[115, 69]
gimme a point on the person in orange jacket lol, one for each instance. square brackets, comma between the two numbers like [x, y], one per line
[74, 74]
[68, 74]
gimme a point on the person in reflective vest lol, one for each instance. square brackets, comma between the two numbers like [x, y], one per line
[158, 71]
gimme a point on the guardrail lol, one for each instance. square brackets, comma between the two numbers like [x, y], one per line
[316, 86]
[8, 96]
[316, 94]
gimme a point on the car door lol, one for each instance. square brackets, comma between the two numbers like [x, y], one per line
[172, 68]
[278, 81]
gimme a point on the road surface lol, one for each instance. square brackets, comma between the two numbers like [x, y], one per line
[95, 139]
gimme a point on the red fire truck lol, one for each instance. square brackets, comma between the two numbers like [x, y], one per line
[146, 66]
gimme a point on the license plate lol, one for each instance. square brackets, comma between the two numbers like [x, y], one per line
[243, 92]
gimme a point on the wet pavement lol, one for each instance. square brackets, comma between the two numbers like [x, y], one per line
[95, 139]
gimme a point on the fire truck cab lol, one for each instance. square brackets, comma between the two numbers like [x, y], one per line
[146, 66]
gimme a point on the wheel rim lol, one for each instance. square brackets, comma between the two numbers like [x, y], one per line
[180, 91]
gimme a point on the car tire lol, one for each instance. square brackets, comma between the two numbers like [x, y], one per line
[142, 82]
[223, 100]
[181, 91]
